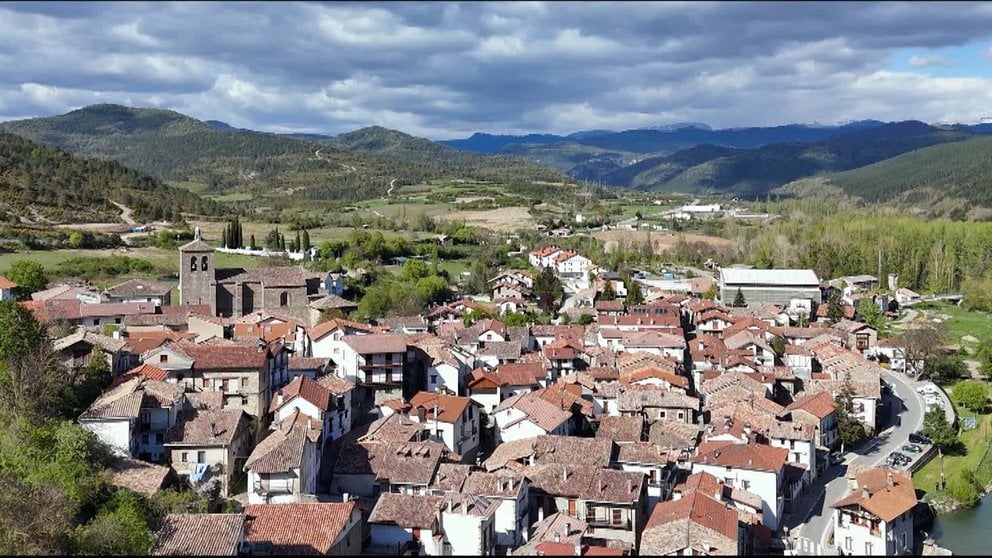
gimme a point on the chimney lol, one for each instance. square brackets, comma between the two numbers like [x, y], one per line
[888, 478]
[564, 473]
[279, 397]
[864, 492]
[630, 486]
[747, 429]
[345, 497]
[568, 528]
[599, 484]
[213, 429]
[557, 537]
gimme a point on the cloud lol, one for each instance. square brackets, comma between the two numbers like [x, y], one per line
[446, 70]
[931, 62]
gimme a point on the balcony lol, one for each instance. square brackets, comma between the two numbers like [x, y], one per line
[603, 523]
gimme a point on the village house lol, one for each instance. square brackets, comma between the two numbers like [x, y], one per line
[7, 288]
[654, 462]
[876, 516]
[309, 367]
[377, 362]
[326, 339]
[657, 404]
[490, 388]
[138, 290]
[510, 491]
[208, 446]
[448, 419]
[818, 409]
[327, 401]
[284, 465]
[860, 337]
[525, 415]
[400, 523]
[696, 524]
[468, 523]
[132, 417]
[79, 348]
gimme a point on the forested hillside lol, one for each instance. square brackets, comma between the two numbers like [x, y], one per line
[175, 147]
[39, 183]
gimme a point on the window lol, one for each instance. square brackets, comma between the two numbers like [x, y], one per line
[681, 415]
[203, 264]
[96, 321]
[903, 536]
[433, 378]
[746, 484]
[192, 263]
[184, 457]
[201, 457]
[617, 517]
[849, 543]
[283, 299]
[163, 358]
[205, 382]
[159, 438]
[244, 401]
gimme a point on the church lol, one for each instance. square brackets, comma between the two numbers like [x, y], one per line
[235, 292]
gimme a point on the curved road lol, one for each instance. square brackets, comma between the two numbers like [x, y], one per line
[815, 514]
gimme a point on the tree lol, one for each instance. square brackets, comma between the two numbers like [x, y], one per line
[76, 239]
[252, 244]
[29, 276]
[739, 301]
[870, 313]
[635, 295]
[515, 319]
[943, 368]
[33, 520]
[712, 292]
[120, 528]
[850, 430]
[585, 319]
[415, 269]
[547, 289]
[305, 246]
[972, 395]
[984, 355]
[920, 344]
[940, 432]
[432, 289]
[964, 488]
[297, 242]
[272, 239]
[835, 307]
[608, 292]
[778, 345]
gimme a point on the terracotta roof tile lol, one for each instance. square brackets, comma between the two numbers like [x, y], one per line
[407, 511]
[224, 355]
[207, 428]
[820, 405]
[621, 428]
[755, 457]
[199, 534]
[692, 521]
[305, 388]
[307, 529]
[450, 407]
[377, 343]
[874, 493]
[139, 476]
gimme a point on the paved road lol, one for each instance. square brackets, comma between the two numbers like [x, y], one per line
[906, 410]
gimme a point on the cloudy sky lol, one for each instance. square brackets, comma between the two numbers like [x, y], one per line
[445, 70]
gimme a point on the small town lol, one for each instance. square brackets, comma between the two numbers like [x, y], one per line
[701, 416]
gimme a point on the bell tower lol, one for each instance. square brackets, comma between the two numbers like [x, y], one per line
[196, 274]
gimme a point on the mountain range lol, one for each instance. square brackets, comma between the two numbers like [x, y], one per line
[872, 160]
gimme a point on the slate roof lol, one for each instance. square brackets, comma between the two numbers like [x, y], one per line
[407, 511]
[199, 534]
[298, 529]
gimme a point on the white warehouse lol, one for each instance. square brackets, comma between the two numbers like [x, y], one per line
[769, 286]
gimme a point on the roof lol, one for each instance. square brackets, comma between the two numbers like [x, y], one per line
[199, 534]
[120, 402]
[504, 483]
[790, 277]
[519, 374]
[137, 287]
[307, 389]
[206, 428]
[544, 414]
[104, 309]
[621, 428]
[283, 276]
[224, 355]
[338, 386]
[307, 529]
[450, 477]
[308, 363]
[553, 449]
[330, 301]
[449, 407]
[754, 457]
[695, 520]
[139, 476]
[7, 283]
[406, 510]
[95, 339]
[282, 448]
[322, 329]
[587, 482]
[377, 343]
[820, 405]
[884, 492]
[642, 452]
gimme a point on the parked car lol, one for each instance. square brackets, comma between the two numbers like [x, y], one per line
[836, 458]
[912, 448]
[919, 438]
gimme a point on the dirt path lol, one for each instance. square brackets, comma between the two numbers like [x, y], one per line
[126, 213]
[392, 184]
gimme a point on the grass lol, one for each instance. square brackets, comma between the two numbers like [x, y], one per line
[235, 197]
[960, 322]
[213, 230]
[976, 443]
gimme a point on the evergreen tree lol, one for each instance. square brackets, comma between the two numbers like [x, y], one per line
[282, 242]
[306, 241]
[608, 292]
[547, 289]
[739, 301]
[252, 243]
[634, 294]
[297, 242]
[849, 428]
[835, 307]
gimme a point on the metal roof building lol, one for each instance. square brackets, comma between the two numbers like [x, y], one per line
[769, 286]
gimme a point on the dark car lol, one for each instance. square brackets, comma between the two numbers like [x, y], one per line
[918, 438]
[836, 458]
[912, 448]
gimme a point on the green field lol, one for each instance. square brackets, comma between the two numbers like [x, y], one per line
[166, 262]
[960, 321]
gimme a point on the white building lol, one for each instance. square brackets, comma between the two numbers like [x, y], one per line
[510, 491]
[524, 416]
[283, 467]
[774, 286]
[326, 339]
[449, 419]
[572, 266]
[876, 517]
[327, 400]
[752, 467]
[469, 524]
[402, 522]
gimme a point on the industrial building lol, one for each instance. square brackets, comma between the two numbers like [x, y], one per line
[769, 286]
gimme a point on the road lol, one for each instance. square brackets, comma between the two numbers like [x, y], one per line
[904, 404]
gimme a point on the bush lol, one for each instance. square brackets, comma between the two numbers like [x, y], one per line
[963, 488]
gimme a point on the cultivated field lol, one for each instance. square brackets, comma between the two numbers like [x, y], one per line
[660, 240]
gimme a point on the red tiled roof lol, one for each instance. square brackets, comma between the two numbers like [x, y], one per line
[696, 508]
[298, 529]
[305, 388]
[755, 457]
[7, 283]
[199, 534]
[148, 371]
[875, 494]
[449, 407]
[320, 330]
[819, 405]
[225, 356]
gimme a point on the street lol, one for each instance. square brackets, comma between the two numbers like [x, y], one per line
[814, 517]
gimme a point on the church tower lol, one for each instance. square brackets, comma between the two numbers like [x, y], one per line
[196, 274]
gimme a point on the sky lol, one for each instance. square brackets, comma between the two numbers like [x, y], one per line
[446, 70]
